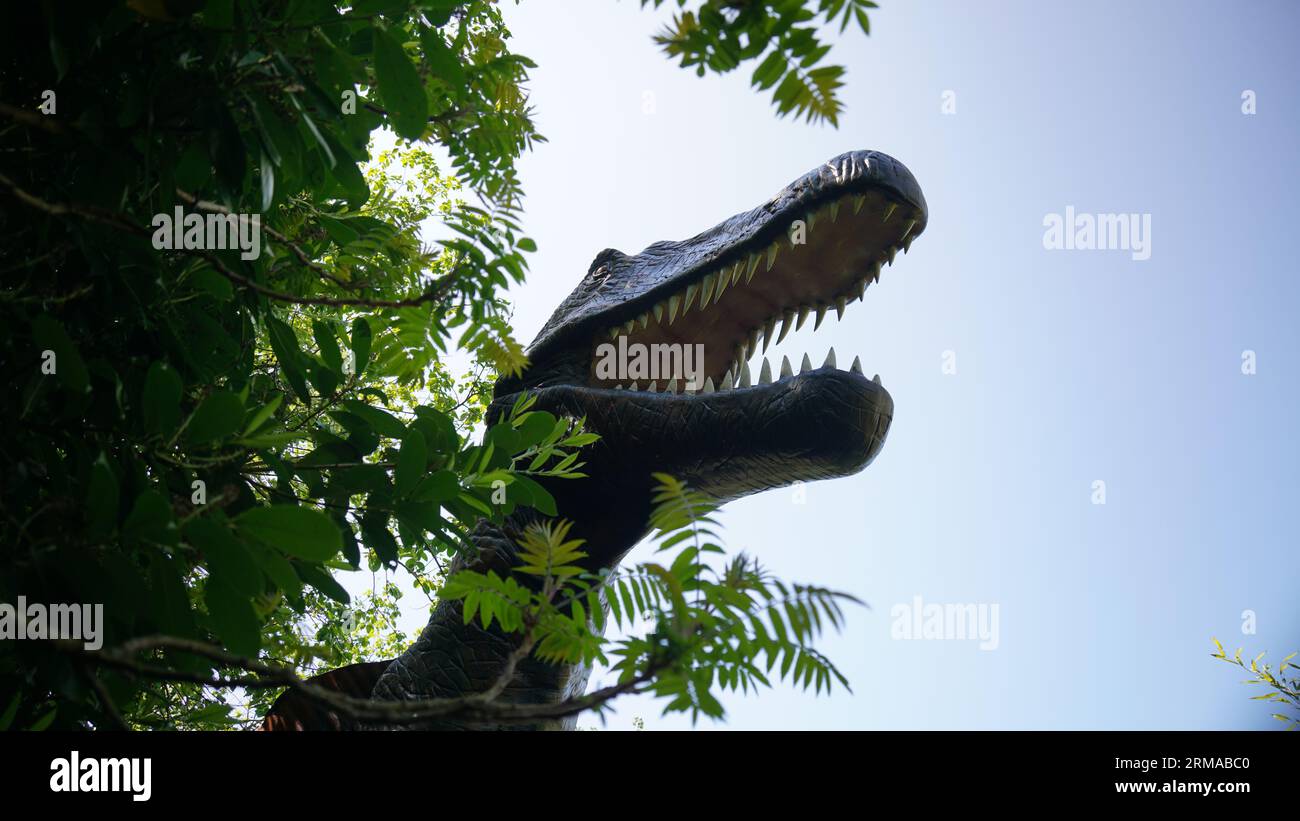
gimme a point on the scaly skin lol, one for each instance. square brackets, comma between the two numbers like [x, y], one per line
[817, 424]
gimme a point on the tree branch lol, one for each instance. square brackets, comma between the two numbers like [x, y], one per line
[482, 706]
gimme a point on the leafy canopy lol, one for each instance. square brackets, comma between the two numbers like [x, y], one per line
[206, 444]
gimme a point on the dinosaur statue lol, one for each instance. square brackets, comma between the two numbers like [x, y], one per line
[727, 289]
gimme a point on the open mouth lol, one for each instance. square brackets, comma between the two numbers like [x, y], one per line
[815, 264]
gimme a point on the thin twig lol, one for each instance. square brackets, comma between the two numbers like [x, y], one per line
[478, 706]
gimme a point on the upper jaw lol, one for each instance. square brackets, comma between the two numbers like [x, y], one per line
[623, 291]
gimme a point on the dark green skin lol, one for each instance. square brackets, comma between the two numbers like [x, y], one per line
[820, 424]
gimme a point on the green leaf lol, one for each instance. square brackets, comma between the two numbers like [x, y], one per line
[441, 486]
[278, 570]
[537, 496]
[533, 427]
[384, 423]
[770, 70]
[321, 579]
[150, 519]
[349, 177]
[68, 365]
[297, 531]
[327, 343]
[263, 413]
[170, 600]
[218, 417]
[161, 399]
[284, 344]
[374, 531]
[411, 462]
[41, 724]
[233, 618]
[227, 559]
[399, 83]
[102, 499]
[444, 62]
[213, 284]
[7, 718]
[361, 339]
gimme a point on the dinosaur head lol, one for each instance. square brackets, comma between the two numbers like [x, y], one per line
[698, 309]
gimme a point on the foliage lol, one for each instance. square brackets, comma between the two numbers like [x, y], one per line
[706, 630]
[720, 35]
[1286, 688]
[203, 443]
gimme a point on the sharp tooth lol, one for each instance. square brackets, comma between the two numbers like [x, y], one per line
[632, 387]
[821, 314]
[893, 252]
[839, 308]
[908, 226]
[627, 326]
[861, 289]
[691, 291]
[835, 210]
[786, 322]
[803, 314]
[706, 289]
[751, 267]
[810, 218]
[672, 385]
[737, 271]
[618, 387]
[726, 382]
[644, 319]
[876, 379]
[786, 370]
[674, 302]
[857, 366]
[613, 332]
[805, 365]
[830, 359]
[765, 373]
[875, 271]
[767, 333]
[859, 200]
[708, 385]
[654, 387]
[659, 312]
[771, 254]
[744, 375]
[907, 243]
[724, 279]
[752, 345]
[889, 211]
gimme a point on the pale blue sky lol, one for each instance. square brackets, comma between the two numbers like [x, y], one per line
[1071, 366]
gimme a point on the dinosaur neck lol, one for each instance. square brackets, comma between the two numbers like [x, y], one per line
[452, 659]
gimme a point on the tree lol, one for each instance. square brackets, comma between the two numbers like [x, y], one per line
[227, 344]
